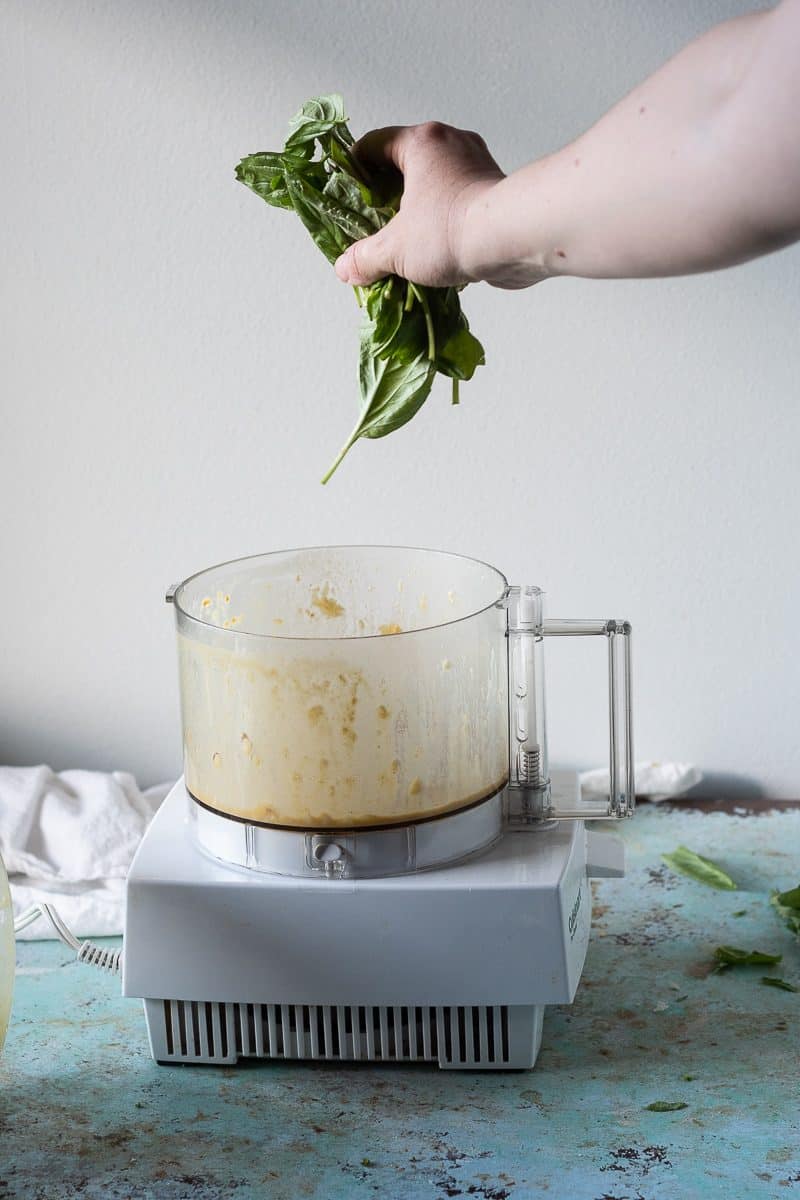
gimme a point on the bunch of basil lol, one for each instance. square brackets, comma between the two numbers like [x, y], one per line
[408, 332]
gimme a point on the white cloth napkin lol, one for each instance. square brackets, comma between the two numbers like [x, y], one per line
[69, 838]
[656, 780]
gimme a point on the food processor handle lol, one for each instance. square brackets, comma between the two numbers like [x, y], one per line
[621, 791]
[530, 798]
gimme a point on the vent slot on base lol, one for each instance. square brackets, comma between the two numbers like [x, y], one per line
[484, 1036]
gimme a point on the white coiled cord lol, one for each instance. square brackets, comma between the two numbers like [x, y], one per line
[87, 952]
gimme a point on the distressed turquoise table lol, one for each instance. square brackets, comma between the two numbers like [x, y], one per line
[84, 1112]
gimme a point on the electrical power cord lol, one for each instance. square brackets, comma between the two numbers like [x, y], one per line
[87, 952]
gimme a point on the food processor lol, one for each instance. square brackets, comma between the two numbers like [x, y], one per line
[368, 857]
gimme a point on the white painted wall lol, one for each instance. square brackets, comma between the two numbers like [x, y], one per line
[178, 369]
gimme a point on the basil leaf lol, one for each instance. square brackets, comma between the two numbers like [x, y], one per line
[345, 192]
[686, 862]
[336, 148]
[790, 899]
[317, 217]
[732, 956]
[460, 355]
[393, 392]
[400, 390]
[315, 118]
[666, 1106]
[410, 332]
[264, 173]
[784, 984]
[788, 913]
[385, 304]
[409, 340]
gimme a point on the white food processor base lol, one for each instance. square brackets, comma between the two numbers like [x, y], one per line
[452, 965]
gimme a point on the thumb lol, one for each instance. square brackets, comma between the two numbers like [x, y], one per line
[366, 261]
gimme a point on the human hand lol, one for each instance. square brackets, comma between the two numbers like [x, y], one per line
[436, 238]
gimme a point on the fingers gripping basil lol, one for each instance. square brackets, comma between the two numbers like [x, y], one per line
[409, 332]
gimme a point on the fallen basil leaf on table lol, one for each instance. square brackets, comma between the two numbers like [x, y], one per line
[784, 984]
[790, 899]
[666, 1106]
[787, 906]
[408, 332]
[732, 956]
[686, 862]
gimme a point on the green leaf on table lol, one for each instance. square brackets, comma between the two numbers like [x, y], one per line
[686, 862]
[790, 899]
[409, 332]
[666, 1106]
[732, 956]
[787, 906]
[772, 981]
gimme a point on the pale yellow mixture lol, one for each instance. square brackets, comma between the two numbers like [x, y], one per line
[342, 733]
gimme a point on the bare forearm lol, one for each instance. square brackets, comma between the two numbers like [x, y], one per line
[697, 168]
